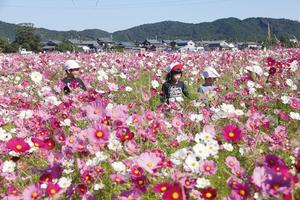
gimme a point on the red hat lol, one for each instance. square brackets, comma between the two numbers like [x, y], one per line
[175, 67]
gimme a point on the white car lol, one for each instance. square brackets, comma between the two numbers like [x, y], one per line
[24, 51]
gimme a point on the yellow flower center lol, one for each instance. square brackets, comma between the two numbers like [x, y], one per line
[242, 192]
[207, 168]
[99, 134]
[149, 164]
[18, 147]
[208, 195]
[141, 182]
[163, 188]
[34, 195]
[175, 195]
[52, 191]
[231, 134]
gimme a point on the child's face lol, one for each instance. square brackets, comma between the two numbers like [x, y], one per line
[75, 72]
[176, 77]
[210, 81]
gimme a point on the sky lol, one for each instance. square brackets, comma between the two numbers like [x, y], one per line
[114, 15]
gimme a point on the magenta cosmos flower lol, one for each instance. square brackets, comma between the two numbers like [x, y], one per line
[208, 167]
[18, 145]
[232, 133]
[148, 161]
[52, 189]
[174, 193]
[208, 193]
[162, 187]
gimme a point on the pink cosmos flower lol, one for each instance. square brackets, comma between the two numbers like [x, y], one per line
[148, 161]
[177, 123]
[98, 134]
[295, 103]
[208, 167]
[95, 111]
[232, 162]
[119, 112]
[32, 192]
[117, 178]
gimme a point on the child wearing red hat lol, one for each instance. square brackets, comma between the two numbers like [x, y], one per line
[173, 89]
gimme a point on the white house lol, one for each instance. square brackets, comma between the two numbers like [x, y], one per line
[190, 46]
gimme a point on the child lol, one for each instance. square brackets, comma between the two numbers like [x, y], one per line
[210, 75]
[173, 88]
[72, 68]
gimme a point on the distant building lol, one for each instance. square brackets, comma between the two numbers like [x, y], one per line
[128, 46]
[106, 43]
[152, 45]
[248, 45]
[51, 45]
[216, 45]
[86, 46]
[189, 46]
[294, 40]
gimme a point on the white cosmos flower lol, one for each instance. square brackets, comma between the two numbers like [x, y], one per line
[101, 156]
[98, 186]
[201, 151]
[128, 89]
[191, 163]
[118, 166]
[155, 84]
[294, 66]
[289, 82]
[101, 75]
[295, 115]
[36, 77]
[242, 151]
[64, 182]
[196, 117]
[228, 147]
[202, 183]
[8, 166]
[203, 136]
[123, 76]
[4, 136]
[285, 99]
[66, 122]
[178, 156]
[25, 114]
[182, 137]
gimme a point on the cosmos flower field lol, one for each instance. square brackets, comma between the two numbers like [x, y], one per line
[116, 140]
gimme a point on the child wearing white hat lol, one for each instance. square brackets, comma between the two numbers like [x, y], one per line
[72, 68]
[210, 75]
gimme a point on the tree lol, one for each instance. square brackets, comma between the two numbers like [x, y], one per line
[66, 45]
[3, 44]
[26, 38]
[5, 47]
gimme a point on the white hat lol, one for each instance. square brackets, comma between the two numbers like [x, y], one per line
[210, 72]
[71, 64]
[256, 69]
